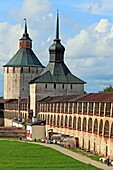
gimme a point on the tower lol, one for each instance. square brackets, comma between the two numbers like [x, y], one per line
[56, 79]
[21, 68]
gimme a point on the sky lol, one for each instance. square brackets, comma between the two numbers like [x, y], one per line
[86, 31]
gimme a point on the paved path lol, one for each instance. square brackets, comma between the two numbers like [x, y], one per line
[77, 156]
[74, 155]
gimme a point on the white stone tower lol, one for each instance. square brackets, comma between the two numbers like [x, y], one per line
[21, 68]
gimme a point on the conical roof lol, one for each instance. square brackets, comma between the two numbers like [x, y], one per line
[25, 55]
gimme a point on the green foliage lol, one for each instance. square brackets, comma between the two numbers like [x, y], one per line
[25, 156]
[107, 89]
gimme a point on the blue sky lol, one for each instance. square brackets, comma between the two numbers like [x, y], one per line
[86, 31]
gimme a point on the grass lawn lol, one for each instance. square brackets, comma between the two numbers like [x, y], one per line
[24, 156]
[94, 157]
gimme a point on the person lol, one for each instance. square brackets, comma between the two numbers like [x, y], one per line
[108, 161]
[35, 140]
[44, 140]
[20, 137]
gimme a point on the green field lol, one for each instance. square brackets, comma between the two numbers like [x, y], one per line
[24, 156]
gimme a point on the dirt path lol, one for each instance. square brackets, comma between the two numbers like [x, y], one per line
[72, 154]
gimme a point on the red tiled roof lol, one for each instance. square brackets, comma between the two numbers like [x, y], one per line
[24, 100]
[91, 97]
[66, 98]
[4, 100]
[76, 98]
[98, 97]
[50, 99]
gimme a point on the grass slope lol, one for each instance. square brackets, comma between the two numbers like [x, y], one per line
[24, 156]
[82, 152]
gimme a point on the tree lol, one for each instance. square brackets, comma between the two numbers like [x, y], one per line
[107, 89]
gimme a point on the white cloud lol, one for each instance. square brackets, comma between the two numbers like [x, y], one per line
[104, 81]
[49, 38]
[50, 15]
[94, 41]
[9, 35]
[98, 7]
[32, 9]
[92, 52]
[104, 26]
[101, 7]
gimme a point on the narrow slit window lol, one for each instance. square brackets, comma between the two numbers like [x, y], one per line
[71, 86]
[29, 69]
[13, 69]
[7, 69]
[21, 69]
[62, 86]
[45, 86]
[54, 86]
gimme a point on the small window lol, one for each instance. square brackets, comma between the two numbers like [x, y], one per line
[7, 69]
[29, 69]
[45, 86]
[62, 86]
[20, 44]
[21, 69]
[13, 69]
[23, 43]
[37, 70]
[54, 86]
[27, 44]
[71, 86]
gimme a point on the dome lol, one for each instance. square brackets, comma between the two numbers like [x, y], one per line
[56, 47]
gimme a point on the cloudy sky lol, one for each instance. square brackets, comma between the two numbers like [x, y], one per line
[86, 31]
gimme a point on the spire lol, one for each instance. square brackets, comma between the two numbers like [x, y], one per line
[25, 25]
[57, 25]
[25, 29]
[56, 50]
[25, 41]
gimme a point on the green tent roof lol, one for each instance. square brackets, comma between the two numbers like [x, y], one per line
[57, 73]
[24, 57]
